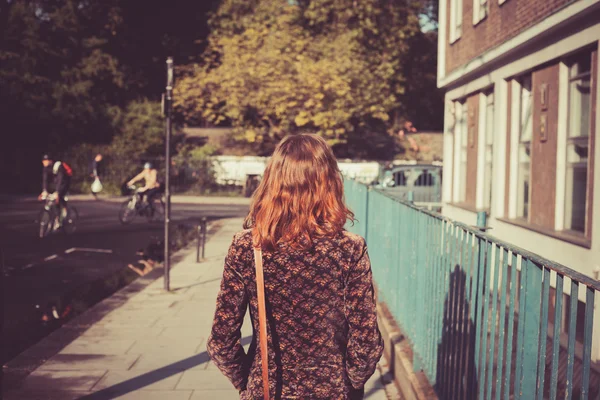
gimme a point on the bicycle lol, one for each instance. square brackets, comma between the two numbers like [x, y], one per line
[135, 206]
[49, 215]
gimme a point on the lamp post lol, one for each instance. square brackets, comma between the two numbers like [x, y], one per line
[167, 105]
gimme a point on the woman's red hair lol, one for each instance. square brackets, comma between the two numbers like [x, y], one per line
[300, 197]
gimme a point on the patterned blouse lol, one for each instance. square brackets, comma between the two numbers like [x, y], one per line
[323, 338]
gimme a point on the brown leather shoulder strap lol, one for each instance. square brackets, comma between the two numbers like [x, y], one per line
[262, 319]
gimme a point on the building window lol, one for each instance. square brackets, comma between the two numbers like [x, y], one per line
[489, 150]
[456, 9]
[462, 123]
[578, 141]
[524, 151]
[480, 10]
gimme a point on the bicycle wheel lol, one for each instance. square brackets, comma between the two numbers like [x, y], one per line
[46, 222]
[157, 212]
[69, 223]
[127, 212]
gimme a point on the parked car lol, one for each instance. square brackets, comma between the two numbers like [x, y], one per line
[424, 180]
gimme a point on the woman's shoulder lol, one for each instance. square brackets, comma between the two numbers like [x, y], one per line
[243, 238]
[352, 237]
[351, 244]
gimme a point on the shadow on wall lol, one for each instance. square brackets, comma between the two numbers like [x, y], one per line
[456, 376]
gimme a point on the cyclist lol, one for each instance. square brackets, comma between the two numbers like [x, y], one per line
[62, 182]
[151, 185]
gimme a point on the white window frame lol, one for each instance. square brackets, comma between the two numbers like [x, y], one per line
[486, 148]
[573, 140]
[461, 139]
[456, 17]
[480, 10]
[520, 198]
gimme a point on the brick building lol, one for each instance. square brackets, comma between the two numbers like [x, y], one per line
[520, 129]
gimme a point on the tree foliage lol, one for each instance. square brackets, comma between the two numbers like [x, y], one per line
[70, 66]
[336, 67]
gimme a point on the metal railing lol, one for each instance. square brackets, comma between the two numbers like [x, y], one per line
[486, 319]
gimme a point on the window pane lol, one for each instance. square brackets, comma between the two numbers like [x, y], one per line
[580, 107]
[526, 125]
[489, 139]
[489, 122]
[577, 152]
[581, 63]
[400, 178]
[425, 179]
[523, 181]
[576, 198]
[487, 185]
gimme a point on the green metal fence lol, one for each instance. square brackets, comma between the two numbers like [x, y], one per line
[486, 319]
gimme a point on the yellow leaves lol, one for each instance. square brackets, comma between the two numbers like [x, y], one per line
[382, 116]
[289, 78]
[302, 119]
[309, 103]
[250, 135]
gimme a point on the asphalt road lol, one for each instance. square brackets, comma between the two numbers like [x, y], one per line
[43, 271]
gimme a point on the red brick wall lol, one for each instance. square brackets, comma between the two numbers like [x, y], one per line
[502, 23]
[543, 153]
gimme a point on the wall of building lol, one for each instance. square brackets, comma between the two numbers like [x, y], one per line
[543, 150]
[502, 23]
[546, 63]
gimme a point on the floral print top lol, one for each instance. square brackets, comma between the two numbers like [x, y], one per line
[323, 338]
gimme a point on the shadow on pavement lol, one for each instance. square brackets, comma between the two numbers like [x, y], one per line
[151, 377]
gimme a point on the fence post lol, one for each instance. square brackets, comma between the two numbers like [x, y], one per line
[203, 235]
[480, 275]
[482, 220]
[411, 197]
[198, 237]
[366, 212]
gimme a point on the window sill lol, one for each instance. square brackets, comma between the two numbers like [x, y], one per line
[575, 238]
[454, 39]
[468, 207]
[475, 23]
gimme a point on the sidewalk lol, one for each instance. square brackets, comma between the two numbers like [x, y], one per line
[153, 346]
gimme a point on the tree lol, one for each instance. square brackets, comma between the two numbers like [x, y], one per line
[329, 66]
[67, 65]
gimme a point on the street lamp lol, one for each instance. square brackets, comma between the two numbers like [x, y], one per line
[167, 104]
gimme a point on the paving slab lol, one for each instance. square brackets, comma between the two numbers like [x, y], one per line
[112, 378]
[158, 395]
[68, 362]
[60, 380]
[91, 345]
[160, 345]
[215, 394]
[45, 394]
[204, 380]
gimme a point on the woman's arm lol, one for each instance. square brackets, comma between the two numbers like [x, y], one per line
[224, 345]
[365, 344]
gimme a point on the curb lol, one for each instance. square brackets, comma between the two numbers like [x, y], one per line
[17, 369]
[411, 385]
